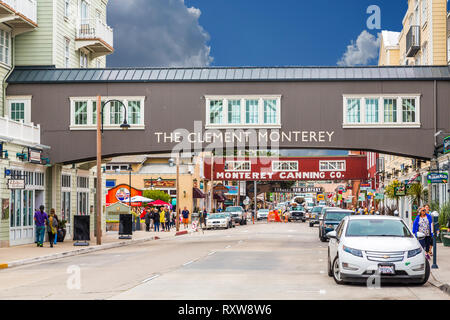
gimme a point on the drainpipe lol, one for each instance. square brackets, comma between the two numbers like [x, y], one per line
[4, 84]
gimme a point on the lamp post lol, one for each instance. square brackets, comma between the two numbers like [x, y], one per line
[123, 126]
[435, 216]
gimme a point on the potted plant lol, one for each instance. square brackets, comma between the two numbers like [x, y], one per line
[444, 216]
[62, 230]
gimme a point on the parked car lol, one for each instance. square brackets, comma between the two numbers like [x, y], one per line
[364, 246]
[218, 220]
[228, 214]
[297, 215]
[330, 220]
[314, 215]
[262, 214]
[238, 214]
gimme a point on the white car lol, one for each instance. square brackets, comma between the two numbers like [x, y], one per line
[218, 220]
[262, 214]
[364, 247]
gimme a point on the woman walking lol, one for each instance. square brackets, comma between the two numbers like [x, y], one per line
[162, 219]
[423, 223]
[52, 227]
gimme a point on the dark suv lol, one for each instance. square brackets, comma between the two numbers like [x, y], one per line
[330, 220]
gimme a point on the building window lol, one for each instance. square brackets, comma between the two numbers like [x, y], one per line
[67, 53]
[216, 112]
[18, 111]
[372, 111]
[83, 182]
[81, 113]
[424, 11]
[234, 111]
[353, 110]
[238, 166]
[409, 110]
[5, 41]
[278, 166]
[65, 181]
[65, 206]
[251, 112]
[390, 110]
[332, 165]
[66, 8]
[83, 59]
[116, 113]
[82, 203]
[134, 112]
[270, 111]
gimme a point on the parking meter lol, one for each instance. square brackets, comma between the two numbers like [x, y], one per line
[435, 216]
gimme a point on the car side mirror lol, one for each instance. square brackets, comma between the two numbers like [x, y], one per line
[332, 235]
[420, 235]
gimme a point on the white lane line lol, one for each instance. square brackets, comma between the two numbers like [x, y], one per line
[187, 263]
[151, 278]
[322, 272]
[227, 247]
[323, 291]
[320, 260]
[292, 230]
[240, 241]
[211, 253]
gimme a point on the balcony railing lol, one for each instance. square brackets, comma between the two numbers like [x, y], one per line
[90, 29]
[27, 8]
[413, 41]
[25, 132]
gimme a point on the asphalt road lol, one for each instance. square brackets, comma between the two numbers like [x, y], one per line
[263, 261]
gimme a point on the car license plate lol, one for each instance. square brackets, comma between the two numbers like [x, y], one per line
[386, 269]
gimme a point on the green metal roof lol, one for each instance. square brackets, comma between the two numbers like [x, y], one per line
[220, 74]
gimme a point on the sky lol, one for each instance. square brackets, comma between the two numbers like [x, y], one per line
[184, 33]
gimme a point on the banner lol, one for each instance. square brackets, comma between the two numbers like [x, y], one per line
[441, 177]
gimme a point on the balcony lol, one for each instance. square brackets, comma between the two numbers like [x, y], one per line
[21, 15]
[95, 35]
[413, 41]
[20, 132]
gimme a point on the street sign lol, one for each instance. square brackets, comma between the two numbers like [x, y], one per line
[320, 197]
[435, 177]
[447, 145]
[299, 190]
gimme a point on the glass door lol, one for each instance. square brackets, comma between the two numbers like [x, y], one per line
[22, 229]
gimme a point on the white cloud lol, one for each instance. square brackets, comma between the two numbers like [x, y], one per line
[362, 51]
[162, 33]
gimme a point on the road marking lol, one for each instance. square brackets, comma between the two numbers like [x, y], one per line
[187, 263]
[211, 253]
[151, 278]
[292, 230]
[322, 272]
[323, 291]
[320, 260]
[227, 247]
[240, 241]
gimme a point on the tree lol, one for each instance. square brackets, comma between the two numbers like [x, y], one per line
[416, 193]
[157, 195]
[390, 191]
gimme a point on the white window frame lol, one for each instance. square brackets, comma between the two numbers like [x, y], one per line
[382, 123]
[26, 100]
[66, 52]
[277, 166]
[243, 99]
[424, 12]
[6, 48]
[332, 161]
[66, 8]
[237, 166]
[106, 113]
[84, 59]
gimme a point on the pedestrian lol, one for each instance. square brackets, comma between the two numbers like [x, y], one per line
[167, 218]
[36, 229]
[423, 223]
[185, 215]
[156, 219]
[162, 219]
[52, 227]
[57, 227]
[204, 216]
[40, 218]
[173, 219]
[147, 220]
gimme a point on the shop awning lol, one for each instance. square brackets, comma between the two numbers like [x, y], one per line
[413, 179]
[198, 194]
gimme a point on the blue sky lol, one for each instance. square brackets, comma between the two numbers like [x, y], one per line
[242, 32]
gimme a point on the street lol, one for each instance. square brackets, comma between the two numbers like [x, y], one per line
[277, 261]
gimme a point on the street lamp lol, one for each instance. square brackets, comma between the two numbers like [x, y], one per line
[123, 126]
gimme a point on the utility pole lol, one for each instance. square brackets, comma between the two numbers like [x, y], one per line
[178, 193]
[99, 172]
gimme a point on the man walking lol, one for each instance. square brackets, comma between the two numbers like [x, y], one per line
[204, 216]
[185, 214]
[156, 219]
[147, 220]
[168, 220]
[40, 218]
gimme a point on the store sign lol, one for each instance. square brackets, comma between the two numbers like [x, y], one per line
[447, 145]
[232, 190]
[298, 190]
[169, 183]
[34, 156]
[441, 177]
[400, 191]
[16, 184]
[320, 197]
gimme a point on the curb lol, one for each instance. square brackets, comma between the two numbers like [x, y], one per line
[60, 255]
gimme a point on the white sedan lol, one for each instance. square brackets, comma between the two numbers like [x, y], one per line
[363, 248]
[262, 214]
[218, 220]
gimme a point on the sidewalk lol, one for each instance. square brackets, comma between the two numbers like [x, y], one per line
[441, 277]
[26, 254]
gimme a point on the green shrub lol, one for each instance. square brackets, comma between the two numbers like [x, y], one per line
[444, 215]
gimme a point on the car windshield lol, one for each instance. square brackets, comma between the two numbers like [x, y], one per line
[233, 209]
[217, 216]
[317, 209]
[336, 215]
[377, 228]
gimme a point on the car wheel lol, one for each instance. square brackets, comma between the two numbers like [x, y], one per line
[427, 272]
[311, 225]
[337, 271]
[330, 272]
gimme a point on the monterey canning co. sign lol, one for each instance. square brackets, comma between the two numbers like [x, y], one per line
[287, 169]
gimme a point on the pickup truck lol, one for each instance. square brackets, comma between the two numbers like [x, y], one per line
[238, 214]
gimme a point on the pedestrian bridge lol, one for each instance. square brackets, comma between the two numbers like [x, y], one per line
[393, 110]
